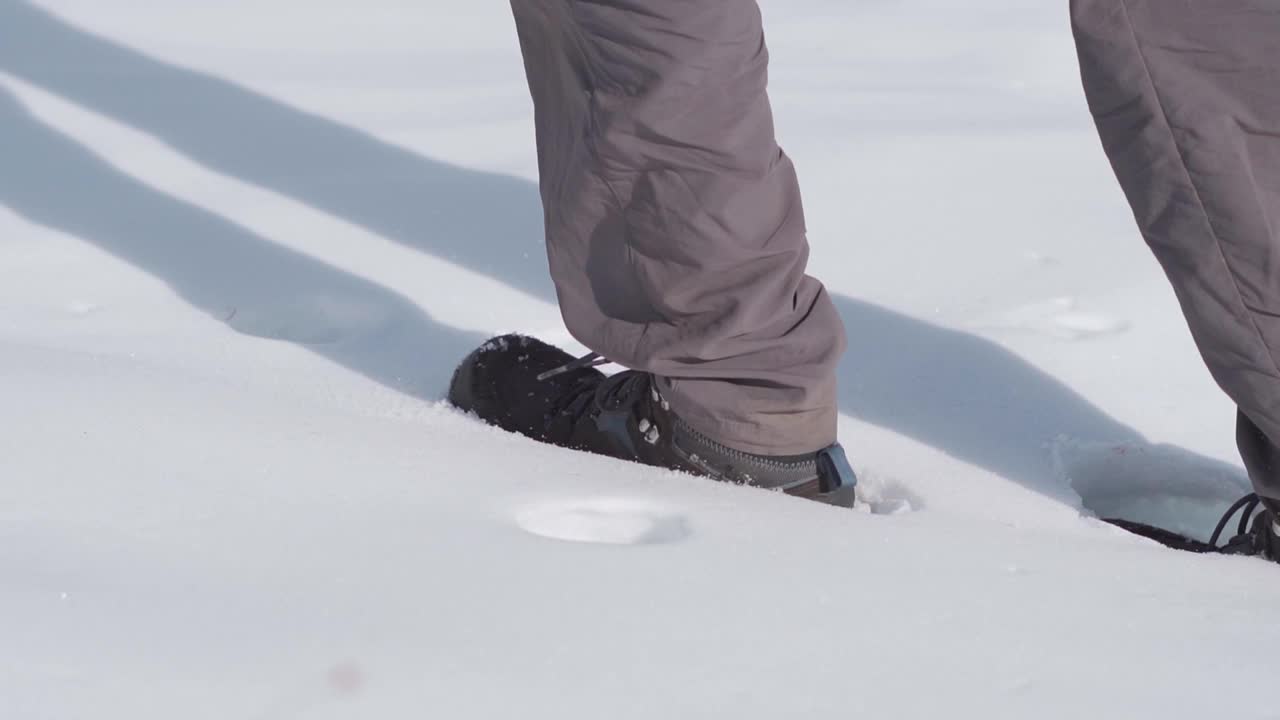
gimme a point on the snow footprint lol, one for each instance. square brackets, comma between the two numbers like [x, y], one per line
[310, 319]
[1059, 317]
[609, 521]
[82, 307]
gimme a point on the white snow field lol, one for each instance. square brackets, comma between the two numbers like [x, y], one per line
[243, 244]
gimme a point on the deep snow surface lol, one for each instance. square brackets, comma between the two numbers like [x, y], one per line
[242, 245]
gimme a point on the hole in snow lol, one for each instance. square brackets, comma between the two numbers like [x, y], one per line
[611, 521]
[1158, 485]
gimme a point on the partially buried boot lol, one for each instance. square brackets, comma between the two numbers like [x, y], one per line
[1257, 532]
[524, 385]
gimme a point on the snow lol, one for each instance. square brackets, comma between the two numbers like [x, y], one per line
[242, 246]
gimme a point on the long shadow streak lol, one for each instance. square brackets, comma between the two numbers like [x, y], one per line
[222, 268]
[954, 391]
[488, 223]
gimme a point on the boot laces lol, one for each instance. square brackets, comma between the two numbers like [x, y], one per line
[614, 392]
[1258, 538]
[586, 361]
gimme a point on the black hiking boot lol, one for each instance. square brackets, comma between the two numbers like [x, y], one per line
[1257, 531]
[526, 386]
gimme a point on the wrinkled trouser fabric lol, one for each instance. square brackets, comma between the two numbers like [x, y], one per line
[1186, 97]
[674, 228]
